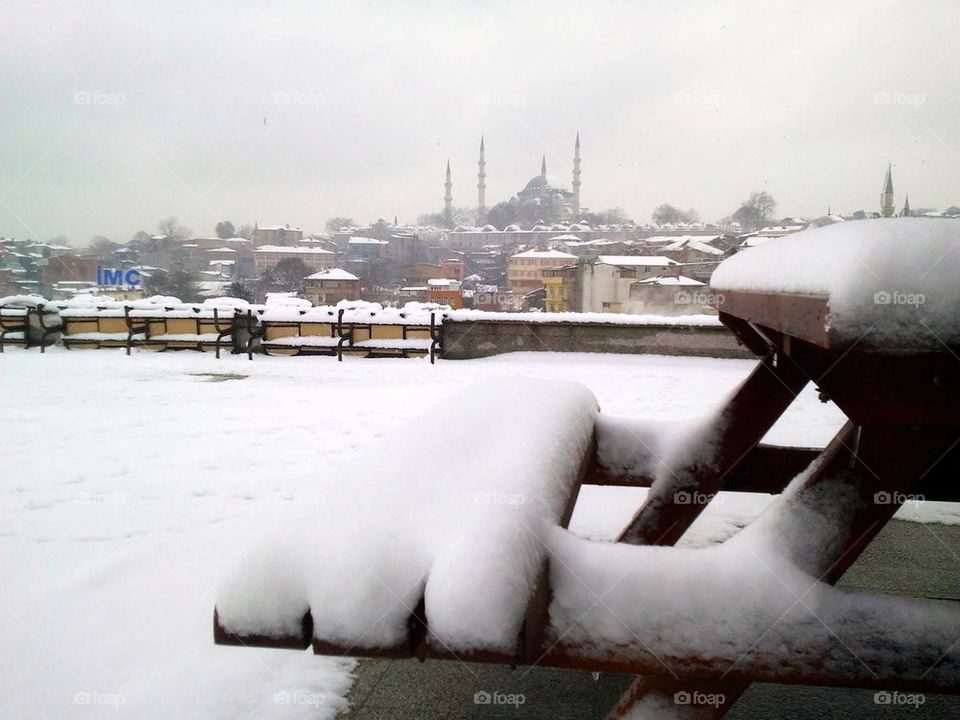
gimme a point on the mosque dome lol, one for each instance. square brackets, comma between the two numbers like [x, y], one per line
[549, 182]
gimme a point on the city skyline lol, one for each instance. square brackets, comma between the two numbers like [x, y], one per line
[268, 118]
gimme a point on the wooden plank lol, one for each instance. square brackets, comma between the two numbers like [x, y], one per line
[800, 316]
[221, 636]
[738, 428]
[765, 469]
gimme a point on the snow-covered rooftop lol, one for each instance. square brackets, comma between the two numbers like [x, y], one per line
[670, 280]
[333, 274]
[636, 260]
[367, 241]
[292, 250]
[558, 254]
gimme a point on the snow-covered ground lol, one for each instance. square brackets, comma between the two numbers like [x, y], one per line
[126, 482]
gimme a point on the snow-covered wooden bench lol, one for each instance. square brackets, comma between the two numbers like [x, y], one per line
[162, 323]
[304, 331]
[27, 321]
[14, 325]
[353, 328]
[459, 542]
[399, 564]
[401, 333]
[99, 326]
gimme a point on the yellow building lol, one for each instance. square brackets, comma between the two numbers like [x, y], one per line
[562, 289]
[525, 270]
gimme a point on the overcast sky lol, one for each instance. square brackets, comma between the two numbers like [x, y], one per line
[113, 116]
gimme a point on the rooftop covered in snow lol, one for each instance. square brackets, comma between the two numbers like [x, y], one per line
[636, 260]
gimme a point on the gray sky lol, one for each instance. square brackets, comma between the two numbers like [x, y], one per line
[115, 115]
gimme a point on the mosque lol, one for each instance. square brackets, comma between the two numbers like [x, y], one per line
[542, 201]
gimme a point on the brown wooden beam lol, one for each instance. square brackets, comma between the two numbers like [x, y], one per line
[881, 465]
[738, 428]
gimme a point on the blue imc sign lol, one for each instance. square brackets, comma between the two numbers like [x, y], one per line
[111, 277]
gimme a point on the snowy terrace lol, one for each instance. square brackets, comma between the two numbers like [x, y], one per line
[129, 481]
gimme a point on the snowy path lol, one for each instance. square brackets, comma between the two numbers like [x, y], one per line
[126, 481]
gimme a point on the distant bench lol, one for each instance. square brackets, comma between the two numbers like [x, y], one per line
[14, 326]
[339, 331]
[177, 327]
[28, 325]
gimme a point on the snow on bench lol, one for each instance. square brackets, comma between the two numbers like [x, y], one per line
[350, 327]
[426, 524]
[24, 317]
[414, 344]
[159, 323]
[14, 322]
[752, 606]
[889, 283]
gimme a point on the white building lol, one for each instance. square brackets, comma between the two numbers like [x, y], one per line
[266, 257]
[605, 283]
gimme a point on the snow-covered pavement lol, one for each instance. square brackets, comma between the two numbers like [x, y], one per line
[126, 482]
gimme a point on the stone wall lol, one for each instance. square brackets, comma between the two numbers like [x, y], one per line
[466, 339]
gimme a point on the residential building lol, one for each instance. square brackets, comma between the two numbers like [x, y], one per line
[525, 270]
[668, 295]
[367, 248]
[445, 292]
[562, 288]
[605, 283]
[452, 269]
[331, 286]
[67, 267]
[419, 273]
[276, 235]
[316, 259]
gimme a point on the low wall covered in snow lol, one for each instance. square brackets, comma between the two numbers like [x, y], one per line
[464, 339]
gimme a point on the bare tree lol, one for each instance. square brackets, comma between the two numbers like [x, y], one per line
[669, 215]
[102, 247]
[334, 224]
[162, 249]
[225, 230]
[171, 228]
[755, 211]
[286, 276]
[177, 283]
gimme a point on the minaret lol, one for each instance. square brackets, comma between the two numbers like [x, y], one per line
[576, 179]
[448, 199]
[543, 168]
[886, 197]
[906, 207]
[482, 188]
